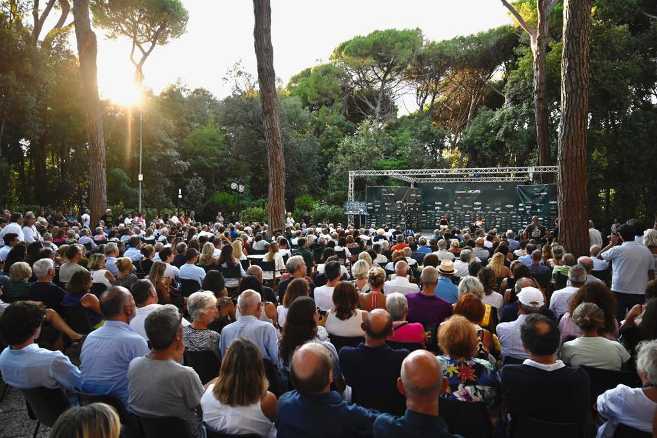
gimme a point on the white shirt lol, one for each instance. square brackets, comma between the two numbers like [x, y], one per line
[625, 405]
[401, 285]
[133, 254]
[14, 228]
[86, 220]
[137, 323]
[461, 268]
[31, 234]
[560, 300]
[495, 299]
[324, 297]
[347, 328]
[4, 252]
[191, 272]
[600, 265]
[595, 237]
[596, 352]
[171, 271]
[509, 336]
[630, 265]
[557, 365]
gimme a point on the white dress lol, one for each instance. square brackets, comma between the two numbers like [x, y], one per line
[347, 328]
[99, 277]
[237, 420]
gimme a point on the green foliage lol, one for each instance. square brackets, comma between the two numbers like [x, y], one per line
[324, 213]
[253, 214]
[304, 202]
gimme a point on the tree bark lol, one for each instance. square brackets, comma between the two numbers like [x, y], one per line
[87, 50]
[573, 200]
[270, 109]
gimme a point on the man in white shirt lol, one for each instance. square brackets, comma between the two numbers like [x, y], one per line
[324, 294]
[400, 283]
[530, 301]
[189, 271]
[595, 236]
[462, 264]
[145, 297]
[10, 240]
[442, 252]
[632, 264]
[30, 232]
[560, 299]
[166, 256]
[86, 219]
[14, 227]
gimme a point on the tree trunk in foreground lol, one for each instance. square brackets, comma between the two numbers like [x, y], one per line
[270, 110]
[573, 200]
[87, 52]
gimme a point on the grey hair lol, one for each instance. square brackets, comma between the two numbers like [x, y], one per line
[466, 255]
[42, 266]
[429, 275]
[397, 306]
[578, 274]
[198, 302]
[110, 248]
[442, 244]
[646, 361]
[650, 238]
[247, 299]
[293, 263]
[161, 326]
[471, 285]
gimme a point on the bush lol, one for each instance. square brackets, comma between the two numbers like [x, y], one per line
[304, 203]
[328, 213]
[253, 214]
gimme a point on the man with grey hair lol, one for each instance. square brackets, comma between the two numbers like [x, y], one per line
[462, 264]
[633, 407]
[296, 268]
[425, 307]
[530, 300]
[249, 326]
[401, 282]
[44, 289]
[421, 382]
[158, 385]
[560, 299]
[443, 253]
[111, 252]
[587, 263]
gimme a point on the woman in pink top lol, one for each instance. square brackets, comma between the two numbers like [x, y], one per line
[403, 332]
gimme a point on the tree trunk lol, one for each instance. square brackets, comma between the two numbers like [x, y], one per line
[270, 110]
[87, 50]
[540, 111]
[573, 205]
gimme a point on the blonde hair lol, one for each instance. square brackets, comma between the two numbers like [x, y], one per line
[497, 264]
[242, 380]
[20, 271]
[96, 261]
[124, 264]
[91, 421]
[237, 248]
[359, 269]
[367, 257]
[376, 277]
[157, 272]
[207, 254]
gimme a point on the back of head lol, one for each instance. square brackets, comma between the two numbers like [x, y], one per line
[191, 254]
[345, 300]
[113, 301]
[429, 276]
[401, 268]
[466, 255]
[376, 277]
[577, 275]
[311, 369]
[471, 307]
[214, 281]
[588, 316]
[457, 337]
[646, 362]
[397, 306]
[471, 285]
[298, 287]
[627, 232]
[378, 325]
[332, 270]
[248, 301]
[540, 335]
[94, 420]
[162, 325]
[242, 380]
[421, 377]
[42, 266]
[20, 320]
[142, 291]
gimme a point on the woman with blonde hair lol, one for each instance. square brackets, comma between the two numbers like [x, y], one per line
[18, 286]
[501, 271]
[161, 282]
[238, 249]
[274, 256]
[207, 260]
[238, 402]
[374, 299]
[366, 257]
[359, 271]
[96, 420]
[99, 272]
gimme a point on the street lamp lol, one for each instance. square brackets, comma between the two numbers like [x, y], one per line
[239, 189]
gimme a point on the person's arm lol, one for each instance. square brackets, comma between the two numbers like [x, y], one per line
[271, 342]
[193, 391]
[91, 302]
[269, 406]
[65, 373]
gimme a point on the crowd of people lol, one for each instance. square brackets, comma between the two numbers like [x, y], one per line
[329, 330]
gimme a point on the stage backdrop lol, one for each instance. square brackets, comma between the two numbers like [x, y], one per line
[501, 205]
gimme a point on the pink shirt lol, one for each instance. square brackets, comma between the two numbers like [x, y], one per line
[407, 332]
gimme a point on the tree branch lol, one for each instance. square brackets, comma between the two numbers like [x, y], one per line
[529, 29]
[39, 21]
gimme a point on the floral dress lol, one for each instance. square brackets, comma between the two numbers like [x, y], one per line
[474, 380]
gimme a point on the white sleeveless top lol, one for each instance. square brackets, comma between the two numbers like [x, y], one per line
[239, 420]
[347, 328]
[99, 277]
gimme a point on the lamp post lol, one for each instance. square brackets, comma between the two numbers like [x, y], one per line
[141, 149]
[237, 187]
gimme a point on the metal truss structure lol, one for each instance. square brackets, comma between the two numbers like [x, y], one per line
[473, 174]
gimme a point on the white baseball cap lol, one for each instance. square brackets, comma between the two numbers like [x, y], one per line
[532, 297]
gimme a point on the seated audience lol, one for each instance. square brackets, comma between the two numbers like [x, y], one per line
[560, 299]
[23, 364]
[530, 301]
[596, 293]
[469, 379]
[359, 272]
[96, 420]
[249, 326]
[228, 261]
[312, 406]
[215, 283]
[564, 391]
[99, 272]
[421, 383]
[403, 332]
[18, 287]
[488, 280]
[446, 289]
[237, 402]
[43, 289]
[107, 351]
[371, 369]
[296, 288]
[374, 297]
[126, 276]
[471, 307]
[189, 270]
[296, 268]
[400, 283]
[462, 263]
[425, 307]
[158, 385]
[592, 349]
[324, 294]
[471, 285]
[640, 325]
[345, 319]
[78, 296]
[203, 310]
[633, 407]
[72, 264]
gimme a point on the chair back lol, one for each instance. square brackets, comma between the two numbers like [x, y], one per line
[232, 271]
[205, 363]
[45, 404]
[410, 346]
[341, 341]
[528, 426]
[469, 419]
[158, 427]
[245, 264]
[188, 287]
[87, 399]
[98, 289]
[604, 380]
[623, 431]
[212, 434]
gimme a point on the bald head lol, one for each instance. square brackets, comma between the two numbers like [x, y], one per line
[312, 369]
[523, 282]
[587, 262]
[401, 268]
[249, 303]
[117, 304]
[378, 326]
[421, 376]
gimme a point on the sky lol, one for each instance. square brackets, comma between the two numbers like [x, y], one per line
[304, 33]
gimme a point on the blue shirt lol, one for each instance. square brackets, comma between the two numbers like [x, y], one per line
[110, 264]
[261, 333]
[33, 366]
[133, 254]
[423, 249]
[105, 357]
[630, 264]
[321, 416]
[412, 424]
[526, 260]
[191, 272]
[446, 290]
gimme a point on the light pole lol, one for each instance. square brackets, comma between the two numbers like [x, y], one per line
[239, 189]
[141, 149]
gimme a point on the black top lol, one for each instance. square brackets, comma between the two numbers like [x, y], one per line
[179, 260]
[48, 293]
[561, 396]
[411, 425]
[372, 373]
